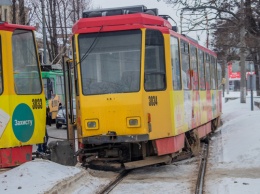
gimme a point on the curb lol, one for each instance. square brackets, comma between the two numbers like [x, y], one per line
[64, 184]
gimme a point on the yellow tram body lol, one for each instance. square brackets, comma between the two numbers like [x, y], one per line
[22, 107]
[157, 118]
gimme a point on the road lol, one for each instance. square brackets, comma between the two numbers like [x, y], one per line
[57, 134]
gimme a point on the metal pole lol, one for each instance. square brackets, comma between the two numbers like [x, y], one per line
[251, 83]
[43, 32]
[227, 78]
[242, 58]
[181, 20]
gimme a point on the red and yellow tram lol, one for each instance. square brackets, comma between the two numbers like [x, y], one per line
[22, 100]
[143, 91]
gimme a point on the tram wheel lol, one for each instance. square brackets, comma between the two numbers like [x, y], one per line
[195, 142]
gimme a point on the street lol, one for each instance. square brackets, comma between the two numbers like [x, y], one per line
[56, 134]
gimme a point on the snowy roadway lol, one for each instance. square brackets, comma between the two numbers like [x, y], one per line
[233, 166]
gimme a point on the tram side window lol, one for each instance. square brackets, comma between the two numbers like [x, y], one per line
[154, 61]
[48, 87]
[1, 73]
[27, 78]
[201, 70]
[207, 71]
[60, 85]
[219, 76]
[212, 73]
[194, 67]
[185, 65]
[75, 65]
[176, 69]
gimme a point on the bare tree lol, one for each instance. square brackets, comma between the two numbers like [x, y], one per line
[60, 17]
[14, 11]
[21, 12]
[233, 12]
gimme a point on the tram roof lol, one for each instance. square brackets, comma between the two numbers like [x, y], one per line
[11, 27]
[120, 21]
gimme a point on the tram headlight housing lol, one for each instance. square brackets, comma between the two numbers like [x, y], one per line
[91, 124]
[133, 122]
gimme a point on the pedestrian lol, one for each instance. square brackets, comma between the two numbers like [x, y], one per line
[60, 106]
[42, 148]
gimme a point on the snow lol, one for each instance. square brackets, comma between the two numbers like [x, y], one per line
[233, 166]
[234, 161]
[36, 176]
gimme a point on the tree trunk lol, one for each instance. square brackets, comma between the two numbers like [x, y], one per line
[54, 38]
[21, 12]
[14, 12]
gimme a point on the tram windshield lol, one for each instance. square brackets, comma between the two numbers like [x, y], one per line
[25, 63]
[110, 62]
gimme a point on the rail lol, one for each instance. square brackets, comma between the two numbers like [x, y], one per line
[202, 169]
[107, 189]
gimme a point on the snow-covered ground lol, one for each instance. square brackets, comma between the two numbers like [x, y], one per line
[233, 166]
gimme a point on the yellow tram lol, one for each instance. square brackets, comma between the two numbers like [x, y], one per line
[143, 91]
[22, 99]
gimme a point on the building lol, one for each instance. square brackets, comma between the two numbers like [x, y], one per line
[235, 77]
[5, 13]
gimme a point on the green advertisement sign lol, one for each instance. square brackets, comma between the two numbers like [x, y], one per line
[23, 122]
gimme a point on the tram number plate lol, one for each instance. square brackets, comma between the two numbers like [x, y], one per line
[152, 100]
[37, 103]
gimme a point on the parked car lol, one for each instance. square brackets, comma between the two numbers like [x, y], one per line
[61, 116]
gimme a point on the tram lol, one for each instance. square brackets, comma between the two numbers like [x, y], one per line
[22, 99]
[144, 92]
[53, 84]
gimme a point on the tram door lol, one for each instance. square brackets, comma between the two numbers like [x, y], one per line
[69, 99]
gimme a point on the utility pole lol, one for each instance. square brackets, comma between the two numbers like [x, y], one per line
[242, 57]
[227, 77]
[207, 30]
[43, 32]
[14, 12]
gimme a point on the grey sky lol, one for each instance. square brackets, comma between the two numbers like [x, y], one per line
[163, 8]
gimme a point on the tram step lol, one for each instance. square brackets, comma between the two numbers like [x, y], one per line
[148, 161]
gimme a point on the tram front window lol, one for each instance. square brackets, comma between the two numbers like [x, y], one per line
[110, 62]
[25, 63]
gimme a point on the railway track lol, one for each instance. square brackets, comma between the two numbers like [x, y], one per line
[202, 169]
[114, 183]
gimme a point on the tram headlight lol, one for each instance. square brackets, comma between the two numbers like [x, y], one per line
[133, 122]
[91, 124]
